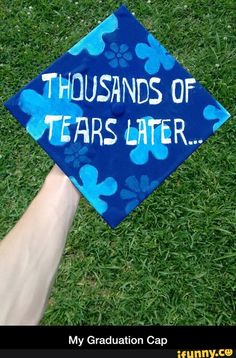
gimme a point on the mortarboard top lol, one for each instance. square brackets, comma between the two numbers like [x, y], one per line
[118, 114]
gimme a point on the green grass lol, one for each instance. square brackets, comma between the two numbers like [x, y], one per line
[172, 261]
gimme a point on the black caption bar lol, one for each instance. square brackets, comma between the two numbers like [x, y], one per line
[125, 337]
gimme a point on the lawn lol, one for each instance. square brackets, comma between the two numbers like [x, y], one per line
[172, 261]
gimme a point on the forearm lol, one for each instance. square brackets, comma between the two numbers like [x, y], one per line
[31, 252]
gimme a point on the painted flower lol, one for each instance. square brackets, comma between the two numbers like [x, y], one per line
[76, 155]
[94, 43]
[92, 190]
[118, 55]
[212, 113]
[137, 191]
[37, 106]
[140, 154]
[155, 55]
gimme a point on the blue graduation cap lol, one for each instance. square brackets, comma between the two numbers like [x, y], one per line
[118, 114]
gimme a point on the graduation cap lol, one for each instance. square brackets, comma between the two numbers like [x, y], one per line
[118, 114]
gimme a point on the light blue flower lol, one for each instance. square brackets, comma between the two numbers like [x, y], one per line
[37, 106]
[212, 113]
[137, 191]
[93, 190]
[93, 42]
[119, 55]
[140, 154]
[76, 154]
[155, 54]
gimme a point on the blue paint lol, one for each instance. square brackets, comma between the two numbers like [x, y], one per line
[155, 54]
[140, 154]
[38, 106]
[137, 191]
[216, 113]
[118, 55]
[92, 190]
[77, 154]
[94, 43]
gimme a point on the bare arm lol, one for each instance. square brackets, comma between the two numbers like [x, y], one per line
[31, 252]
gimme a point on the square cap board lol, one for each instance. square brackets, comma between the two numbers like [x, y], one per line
[118, 114]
